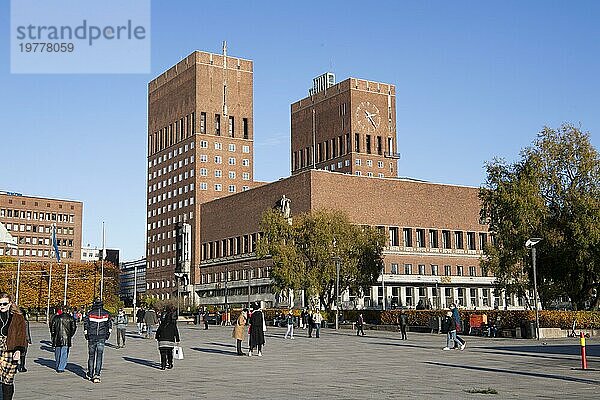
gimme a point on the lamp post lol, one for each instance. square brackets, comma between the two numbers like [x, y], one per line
[337, 292]
[530, 244]
[248, 273]
[226, 304]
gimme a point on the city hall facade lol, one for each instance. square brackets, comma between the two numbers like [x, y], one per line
[343, 156]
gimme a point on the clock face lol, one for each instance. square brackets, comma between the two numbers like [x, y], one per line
[367, 117]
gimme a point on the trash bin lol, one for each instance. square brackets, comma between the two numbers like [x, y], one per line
[528, 330]
[196, 319]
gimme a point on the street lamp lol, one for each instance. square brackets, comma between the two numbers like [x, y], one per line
[337, 291]
[530, 244]
[248, 273]
[226, 304]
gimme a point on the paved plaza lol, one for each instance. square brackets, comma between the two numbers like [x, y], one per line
[339, 365]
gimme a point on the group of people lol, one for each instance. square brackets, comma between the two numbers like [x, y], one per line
[312, 321]
[451, 324]
[254, 321]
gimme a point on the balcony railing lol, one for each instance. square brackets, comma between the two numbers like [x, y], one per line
[391, 154]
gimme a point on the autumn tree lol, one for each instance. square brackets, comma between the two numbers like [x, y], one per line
[552, 192]
[304, 253]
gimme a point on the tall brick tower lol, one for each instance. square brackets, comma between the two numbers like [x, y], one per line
[200, 148]
[347, 127]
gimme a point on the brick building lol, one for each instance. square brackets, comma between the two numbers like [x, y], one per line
[343, 156]
[200, 148]
[30, 219]
[435, 238]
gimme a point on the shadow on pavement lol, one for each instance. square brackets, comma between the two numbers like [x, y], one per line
[77, 370]
[145, 363]
[47, 348]
[521, 373]
[215, 351]
[46, 362]
[222, 344]
[565, 349]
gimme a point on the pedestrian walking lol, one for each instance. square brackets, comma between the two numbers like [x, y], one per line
[303, 319]
[257, 331]
[310, 321]
[449, 328]
[21, 367]
[359, 325]
[239, 330]
[97, 326]
[318, 318]
[139, 319]
[150, 319]
[403, 322]
[121, 322]
[289, 319]
[62, 329]
[458, 323]
[205, 317]
[13, 341]
[167, 336]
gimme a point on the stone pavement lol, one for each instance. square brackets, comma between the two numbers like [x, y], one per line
[339, 365]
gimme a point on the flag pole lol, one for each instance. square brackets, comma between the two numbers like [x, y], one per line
[102, 266]
[66, 278]
[48, 302]
[18, 280]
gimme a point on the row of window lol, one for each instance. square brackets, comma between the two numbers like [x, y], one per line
[337, 147]
[431, 238]
[35, 215]
[219, 146]
[434, 270]
[167, 222]
[38, 228]
[174, 153]
[171, 134]
[34, 253]
[33, 240]
[414, 295]
[236, 275]
[167, 195]
[230, 246]
[167, 182]
[217, 128]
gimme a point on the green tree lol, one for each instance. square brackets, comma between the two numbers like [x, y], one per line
[552, 192]
[304, 254]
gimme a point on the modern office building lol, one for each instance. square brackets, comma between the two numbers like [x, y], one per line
[132, 277]
[29, 220]
[91, 254]
[200, 148]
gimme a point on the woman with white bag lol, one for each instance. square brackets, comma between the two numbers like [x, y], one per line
[167, 336]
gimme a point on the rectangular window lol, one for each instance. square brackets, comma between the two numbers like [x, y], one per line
[357, 142]
[472, 271]
[245, 127]
[202, 122]
[459, 270]
[379, 148]
[434, 270]
[471, 240]
[421, 269]
[218, 124]
[447, 270]
[446, 242]
[420, 237]
[394, 269]
[458, 239]
[484, 271]
[433, 238]
[407, 269]
[231, 127]
[482, 241]
[473, 295]
[407, 232]
[368, 144]
[394, 239]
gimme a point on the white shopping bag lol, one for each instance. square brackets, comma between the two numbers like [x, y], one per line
[177, 353]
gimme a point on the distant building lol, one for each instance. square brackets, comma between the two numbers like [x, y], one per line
[91, 254]
[29, 220]
[132, 271]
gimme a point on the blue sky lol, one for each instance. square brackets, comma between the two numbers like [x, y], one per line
[474, 80]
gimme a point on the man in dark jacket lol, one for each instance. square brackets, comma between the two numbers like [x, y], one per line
[97, 326]
[62, 329]
[403, 322]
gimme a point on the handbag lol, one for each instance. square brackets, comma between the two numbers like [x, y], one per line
[178, 353]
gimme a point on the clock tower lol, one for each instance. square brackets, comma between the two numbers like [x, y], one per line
[347, 127]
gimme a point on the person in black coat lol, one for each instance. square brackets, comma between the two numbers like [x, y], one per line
[403, 322]
[167, 336]
[62, 329]
[257, 331]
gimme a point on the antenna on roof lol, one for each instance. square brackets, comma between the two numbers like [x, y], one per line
[224, 78]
